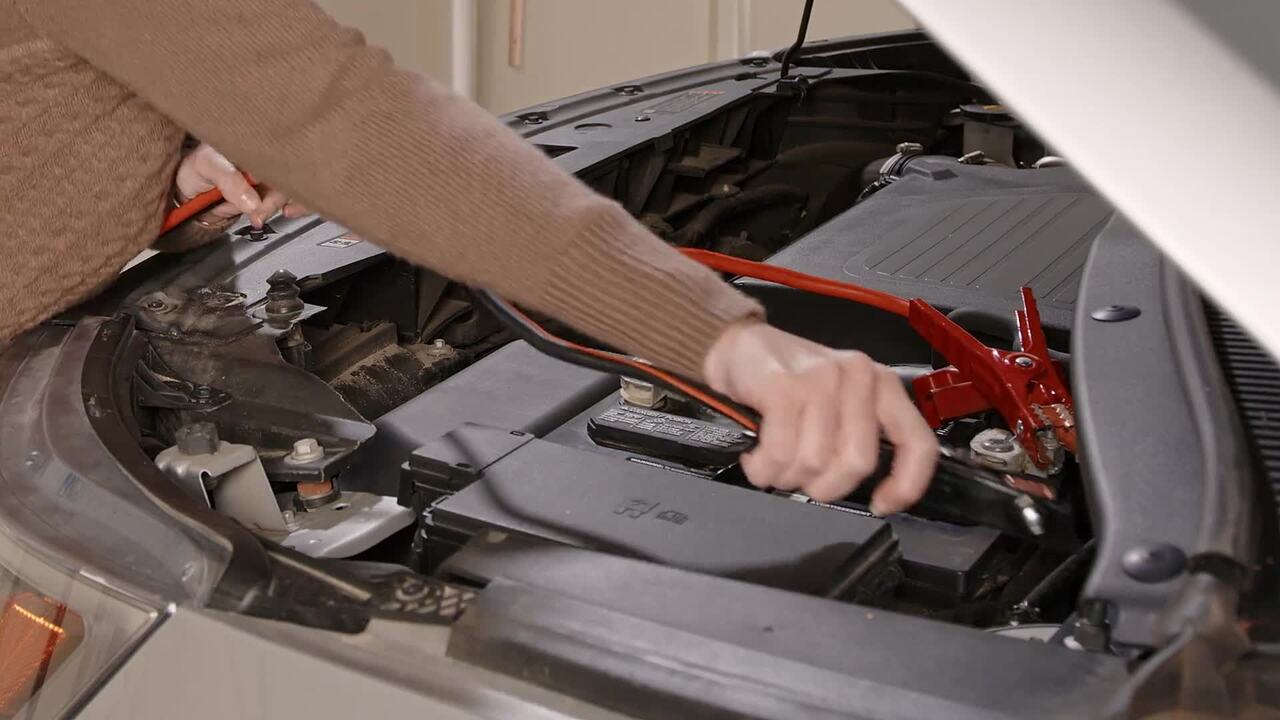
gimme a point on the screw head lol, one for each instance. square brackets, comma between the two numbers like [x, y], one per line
[306, 450]
[998, 444]
[1023, 361]
[643, 118]
[1115, 313]
[1155, 562]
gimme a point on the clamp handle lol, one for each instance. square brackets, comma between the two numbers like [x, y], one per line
[195, 206]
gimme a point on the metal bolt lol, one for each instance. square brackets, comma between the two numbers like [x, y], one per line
[909, 148]
[155, 304]
[1023, 361]
[439, 348]
[290, 518]
[998, 444]
[642, 394]
[305, 450]
[1154, 563]
[643, 118]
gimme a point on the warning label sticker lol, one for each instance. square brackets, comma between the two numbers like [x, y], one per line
[343, 241]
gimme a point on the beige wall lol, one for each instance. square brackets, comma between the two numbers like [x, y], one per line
[415, 31]
[774, 22]
[576, 45]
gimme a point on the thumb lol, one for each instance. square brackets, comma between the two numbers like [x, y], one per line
[235, 189]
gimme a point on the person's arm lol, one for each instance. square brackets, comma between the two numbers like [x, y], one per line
[283, 90]
[303, 103]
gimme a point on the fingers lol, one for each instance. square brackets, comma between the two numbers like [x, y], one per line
[272, 202]
[235, 189]
[915, 447]
[224, 210]
[205, 168]
[767, 465]
[815, 436]
[295, 210]
[857, 433]
[823, 413]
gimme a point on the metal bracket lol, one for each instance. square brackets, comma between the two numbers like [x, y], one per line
[231, 480]
[353, 523]
[197, 473]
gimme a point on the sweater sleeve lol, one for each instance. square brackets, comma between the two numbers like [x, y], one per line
[301, 101]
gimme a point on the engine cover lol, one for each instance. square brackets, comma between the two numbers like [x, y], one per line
[962, 236]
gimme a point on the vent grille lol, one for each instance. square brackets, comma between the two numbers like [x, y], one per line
[1254, 378]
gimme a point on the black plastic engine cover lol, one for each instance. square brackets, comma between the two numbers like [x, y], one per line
[956, 235]
[540, 489]
[516, 387]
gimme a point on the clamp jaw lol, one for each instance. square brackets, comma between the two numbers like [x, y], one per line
[1024, 386]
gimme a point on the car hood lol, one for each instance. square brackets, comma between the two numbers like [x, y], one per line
[1166, 106]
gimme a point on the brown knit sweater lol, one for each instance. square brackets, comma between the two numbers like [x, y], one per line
[95, 96]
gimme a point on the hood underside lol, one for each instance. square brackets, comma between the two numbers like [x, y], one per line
[1104, 83]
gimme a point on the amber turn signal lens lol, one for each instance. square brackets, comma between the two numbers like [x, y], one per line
[36, 635]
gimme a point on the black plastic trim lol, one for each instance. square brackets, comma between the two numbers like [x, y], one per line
[1163, 454]
[106, 378]
[657, 642]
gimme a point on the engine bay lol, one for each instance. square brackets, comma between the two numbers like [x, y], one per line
[567, 455]
[293, 434]
[349, 406]
[356, 409]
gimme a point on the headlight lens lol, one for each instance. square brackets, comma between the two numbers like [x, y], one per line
[59, 635]
[88, 561]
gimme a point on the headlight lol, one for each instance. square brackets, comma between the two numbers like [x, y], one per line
[89, 558]
[59, 635]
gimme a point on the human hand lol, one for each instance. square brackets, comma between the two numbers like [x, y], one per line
[205, 168]
[823, 412]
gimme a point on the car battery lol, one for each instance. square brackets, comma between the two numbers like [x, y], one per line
[532, 487]
[691, 441]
